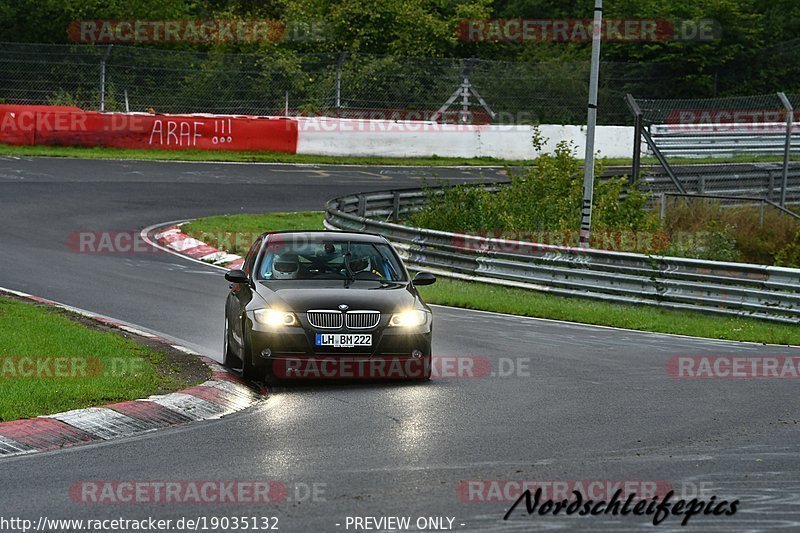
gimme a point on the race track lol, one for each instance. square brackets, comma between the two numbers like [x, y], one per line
[597, 404]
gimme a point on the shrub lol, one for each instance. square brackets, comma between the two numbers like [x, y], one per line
[543, 197]
[789, 255]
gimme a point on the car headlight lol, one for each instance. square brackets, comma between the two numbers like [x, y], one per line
[409, 319]
[273, 317]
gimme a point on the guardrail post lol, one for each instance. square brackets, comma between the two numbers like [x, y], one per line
[663, 211]
[362, 205]
[787, 145]
[395, 206]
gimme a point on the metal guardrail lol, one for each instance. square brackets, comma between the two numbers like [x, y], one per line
[731, 179]
[766, 292]
[724, 140]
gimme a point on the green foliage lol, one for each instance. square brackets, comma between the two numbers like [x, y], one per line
[542, 203]
[718, 243]
[458, 208]
[706, 229]
[755, 53]
[546, 196]
[789, 255]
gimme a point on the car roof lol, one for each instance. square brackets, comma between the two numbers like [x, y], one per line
[320, 235]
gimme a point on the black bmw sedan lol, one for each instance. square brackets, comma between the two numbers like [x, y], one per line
[318, 304]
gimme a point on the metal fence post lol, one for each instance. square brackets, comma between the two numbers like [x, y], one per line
[591, 121]
[103, 78]
[339, 62]
[787, 146]
[637, 136]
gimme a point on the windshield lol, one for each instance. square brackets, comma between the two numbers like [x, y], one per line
[333, 259]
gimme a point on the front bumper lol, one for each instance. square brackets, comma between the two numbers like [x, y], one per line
[291, 352]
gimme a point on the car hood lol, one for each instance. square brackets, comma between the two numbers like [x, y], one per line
[300, 296]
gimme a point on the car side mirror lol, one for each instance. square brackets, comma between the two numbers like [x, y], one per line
[236, 276]
[424, 278]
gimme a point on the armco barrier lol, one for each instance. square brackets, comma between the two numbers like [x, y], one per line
[72, 127]
[766, 292]
[723, 140]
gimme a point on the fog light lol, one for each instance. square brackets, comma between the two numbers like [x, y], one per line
[416, 354]
[266, 352]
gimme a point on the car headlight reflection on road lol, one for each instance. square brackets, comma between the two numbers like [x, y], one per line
[409, 319]
[275, 318]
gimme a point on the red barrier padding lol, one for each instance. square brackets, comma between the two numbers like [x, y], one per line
[73, 127]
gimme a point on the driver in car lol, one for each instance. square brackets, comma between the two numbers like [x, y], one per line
[285, 266]
[363, 264]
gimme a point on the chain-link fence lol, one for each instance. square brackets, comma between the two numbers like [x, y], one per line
[344, 84]
[757, 137]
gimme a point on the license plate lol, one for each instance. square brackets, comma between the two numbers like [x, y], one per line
[343, 340]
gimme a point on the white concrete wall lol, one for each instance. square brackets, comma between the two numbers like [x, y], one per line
[331, 136]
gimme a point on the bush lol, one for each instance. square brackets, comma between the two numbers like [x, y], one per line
[789, 255]
[718, 243]
[544, 197]
[705, 229]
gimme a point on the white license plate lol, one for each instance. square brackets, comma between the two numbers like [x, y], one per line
[343, 340]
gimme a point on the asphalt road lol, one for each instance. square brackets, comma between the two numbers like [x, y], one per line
[587, 403]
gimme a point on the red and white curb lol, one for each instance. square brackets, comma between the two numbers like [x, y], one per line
[223, 394]
[177, 241]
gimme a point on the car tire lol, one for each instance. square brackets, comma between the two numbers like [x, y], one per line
[428, 366]
[229, 359]
[250, 372]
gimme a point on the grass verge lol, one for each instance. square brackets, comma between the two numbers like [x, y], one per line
[235, 233]
[245, 157]
[487, 297]
[53, 361]
[276, 157]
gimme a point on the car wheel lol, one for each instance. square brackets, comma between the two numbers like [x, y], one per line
[428, 369]
[249, 371]
[229, 359]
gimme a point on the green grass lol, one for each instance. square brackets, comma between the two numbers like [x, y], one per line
[235, 233]
[247, 157]
[275, 157]
[101, 367]
[488, 297]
